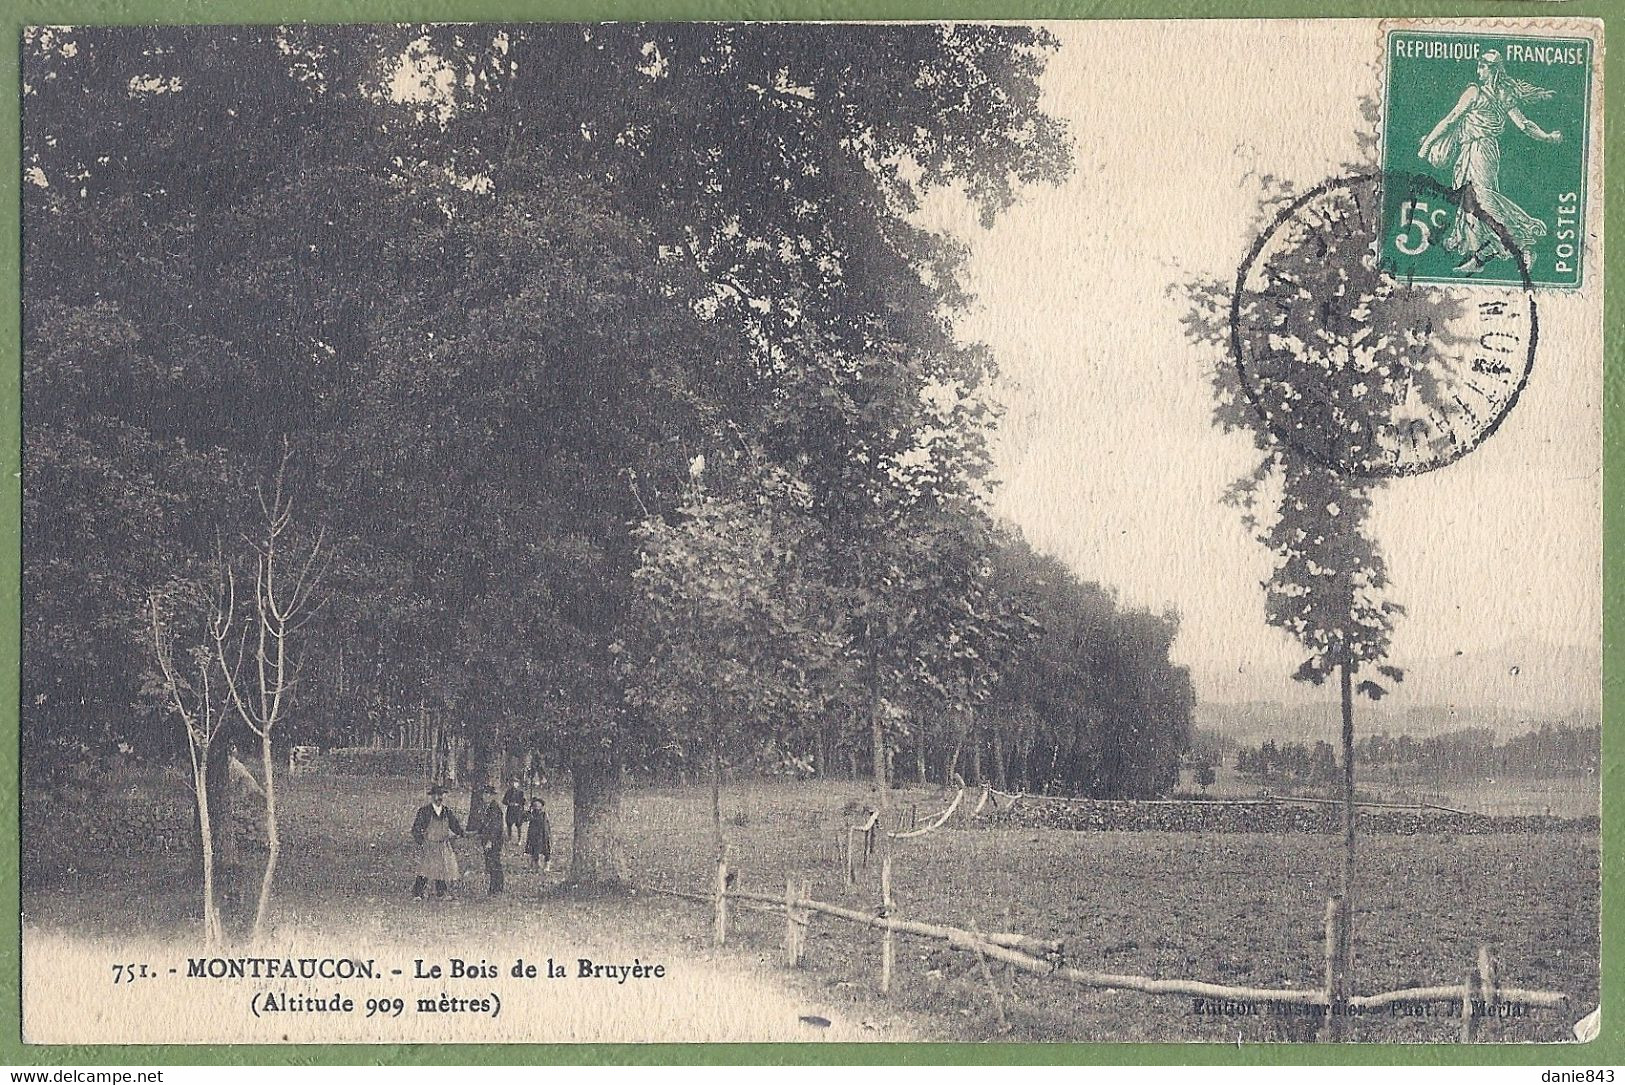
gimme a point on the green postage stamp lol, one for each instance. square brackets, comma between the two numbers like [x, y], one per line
[1502, 122]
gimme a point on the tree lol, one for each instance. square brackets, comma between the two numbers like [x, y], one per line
[1344, 359]
[202, 703]
[767, 159]
[728, 638]
[494, 318]
[1323, 765]
[1206, 777]
[288, 571]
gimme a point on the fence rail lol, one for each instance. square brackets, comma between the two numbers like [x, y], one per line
[1047, 958]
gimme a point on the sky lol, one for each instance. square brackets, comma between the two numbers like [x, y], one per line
[1108, 457]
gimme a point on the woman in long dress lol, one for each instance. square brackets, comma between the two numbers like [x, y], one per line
[1468, 142]
[435, 827]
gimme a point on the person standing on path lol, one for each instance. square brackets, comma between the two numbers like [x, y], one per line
[538, 840]
[514, 801]
[492, 833]
[433, 831]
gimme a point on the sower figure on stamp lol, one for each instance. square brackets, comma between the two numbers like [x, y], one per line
[492, 834]
[514, 801]
[433, 831]
[538, 840]
[1467, 141]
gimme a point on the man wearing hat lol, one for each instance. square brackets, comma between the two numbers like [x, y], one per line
[433, 831]
[492, 834]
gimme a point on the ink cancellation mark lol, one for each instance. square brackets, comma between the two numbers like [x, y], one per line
[1353, 361]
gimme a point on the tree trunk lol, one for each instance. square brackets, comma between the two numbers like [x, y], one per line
[716, 806]
[213, 934]
[1000, 779]
[919, 759]
[598, 856]
[228, 873]
[883, 825]
[273, 839]
[483, 763]
[1343, 951]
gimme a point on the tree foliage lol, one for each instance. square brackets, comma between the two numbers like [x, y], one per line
[496, 313]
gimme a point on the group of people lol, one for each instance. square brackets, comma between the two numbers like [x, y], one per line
[437, 825]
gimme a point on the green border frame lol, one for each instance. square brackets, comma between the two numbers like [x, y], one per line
[1608, 1049]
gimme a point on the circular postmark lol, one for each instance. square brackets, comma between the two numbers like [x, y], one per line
[1347, 360]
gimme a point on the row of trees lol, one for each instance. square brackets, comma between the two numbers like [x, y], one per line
[1082, 699]
[628, 404]
[1295, 761]
[1549, 750]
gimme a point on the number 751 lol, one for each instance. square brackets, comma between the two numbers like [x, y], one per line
[1415, 215]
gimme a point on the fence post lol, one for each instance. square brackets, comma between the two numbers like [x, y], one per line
[987, 976]
[1487, 984]
[792, 951]
[719, 932]
[1331, 1032]
[1469, 1023]
[804, 915]
[888, 946]
[796, 913]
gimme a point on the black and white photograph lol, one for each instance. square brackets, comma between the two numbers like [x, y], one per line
[1079, 531]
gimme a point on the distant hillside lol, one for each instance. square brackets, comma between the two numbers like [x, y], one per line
[1254, 721]
[1510, 690]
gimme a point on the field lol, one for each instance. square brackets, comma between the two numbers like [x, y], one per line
[1229, 908]
[1573, 796]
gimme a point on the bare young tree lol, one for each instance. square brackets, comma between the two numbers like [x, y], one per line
[287, 575]
[202, 706]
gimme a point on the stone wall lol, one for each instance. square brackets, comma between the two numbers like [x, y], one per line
[86, 828]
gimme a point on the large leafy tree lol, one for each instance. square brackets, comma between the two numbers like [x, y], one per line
[490, 307]
[780, 164]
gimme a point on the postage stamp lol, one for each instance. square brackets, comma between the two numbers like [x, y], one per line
[1504, 120]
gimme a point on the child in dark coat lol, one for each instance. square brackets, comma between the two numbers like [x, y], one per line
[538, 841]
[514, 802]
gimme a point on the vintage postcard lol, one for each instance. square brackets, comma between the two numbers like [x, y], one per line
[1067, 531]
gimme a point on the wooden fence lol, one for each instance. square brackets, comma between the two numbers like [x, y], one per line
[1479, 990]
[858, 841]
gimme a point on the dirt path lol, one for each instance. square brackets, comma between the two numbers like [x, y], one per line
[650, 978]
